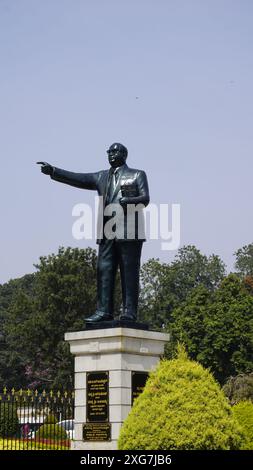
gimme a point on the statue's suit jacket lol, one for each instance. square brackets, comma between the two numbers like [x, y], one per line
[132, 178]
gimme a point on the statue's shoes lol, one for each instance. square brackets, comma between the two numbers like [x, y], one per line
[129, 317]
[99, 316]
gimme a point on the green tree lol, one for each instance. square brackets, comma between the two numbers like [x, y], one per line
[155, 294]
[64, 292]
[187, 323]
[244, 261]
[181, 408]
[11, 361]
[217, 328]
[166, 286]
[229, 330]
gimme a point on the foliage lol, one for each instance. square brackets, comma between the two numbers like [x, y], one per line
[217, 328]
[11, 363]
[166, 286]
[190, 297]
[20, 444]
[36, 312]
[50, 419]
[244, 261]
[9, 424]
[64, 289]
[51, 431]
[181, 408]
[239, 388]
[243, 412]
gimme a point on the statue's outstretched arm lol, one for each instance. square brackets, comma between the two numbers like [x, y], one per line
[79, 180]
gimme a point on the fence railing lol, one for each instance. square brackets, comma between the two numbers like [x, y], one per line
[33, 420]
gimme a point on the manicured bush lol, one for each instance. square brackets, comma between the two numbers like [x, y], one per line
[50, 419]
[51, 431]
[181, 407]
[9, 424]
[243, 411]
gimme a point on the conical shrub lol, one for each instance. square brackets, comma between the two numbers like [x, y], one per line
[182, 407]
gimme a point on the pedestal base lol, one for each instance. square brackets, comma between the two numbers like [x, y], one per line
[117, 353]
[116, 324]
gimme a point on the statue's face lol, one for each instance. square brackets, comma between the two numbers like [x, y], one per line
[116, 157]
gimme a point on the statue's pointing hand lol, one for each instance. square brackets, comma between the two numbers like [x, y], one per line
[46, 168]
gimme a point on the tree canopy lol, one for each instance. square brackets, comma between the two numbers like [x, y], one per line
[192, 297]
[217, 328]
[244, 261]
[62, 294]
[165, 286]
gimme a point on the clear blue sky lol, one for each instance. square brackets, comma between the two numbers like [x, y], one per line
[70, 75]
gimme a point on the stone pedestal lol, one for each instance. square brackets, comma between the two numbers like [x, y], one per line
[119, 351]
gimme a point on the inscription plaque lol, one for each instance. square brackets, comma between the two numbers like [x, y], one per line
[97, 432]
[97, 397]
[138, 383]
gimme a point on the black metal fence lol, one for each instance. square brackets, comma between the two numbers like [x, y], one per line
[32, 420]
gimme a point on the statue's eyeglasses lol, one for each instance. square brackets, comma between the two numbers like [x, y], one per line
[111, 152]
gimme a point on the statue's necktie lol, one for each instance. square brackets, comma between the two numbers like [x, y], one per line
[112, 184]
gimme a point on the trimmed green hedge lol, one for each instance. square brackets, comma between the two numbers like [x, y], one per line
[51, 431]
[181, 408]
[243, 411]
[50, 419]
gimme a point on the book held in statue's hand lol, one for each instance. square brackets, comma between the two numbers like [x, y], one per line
[129, 190]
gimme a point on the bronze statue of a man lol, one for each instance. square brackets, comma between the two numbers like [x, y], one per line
[127, 187]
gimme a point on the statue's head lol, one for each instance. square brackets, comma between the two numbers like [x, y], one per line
[117, 154]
